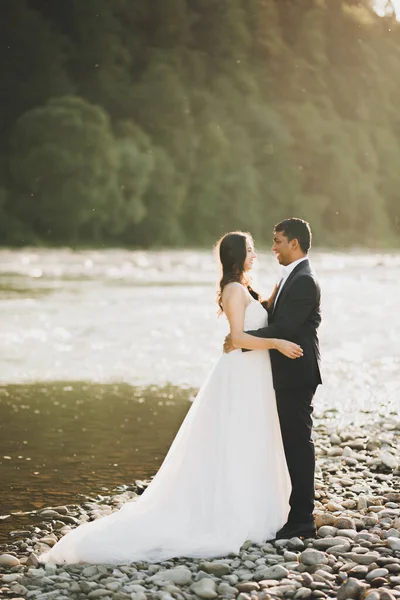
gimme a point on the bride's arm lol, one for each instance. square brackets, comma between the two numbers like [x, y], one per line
[235, 302]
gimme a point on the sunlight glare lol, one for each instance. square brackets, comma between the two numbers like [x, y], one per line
[381, 7]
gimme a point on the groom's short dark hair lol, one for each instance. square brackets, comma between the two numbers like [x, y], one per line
[296, 229]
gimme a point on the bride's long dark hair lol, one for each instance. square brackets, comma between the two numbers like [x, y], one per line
[232, 252]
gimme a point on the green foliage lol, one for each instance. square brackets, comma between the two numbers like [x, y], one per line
[171, 122]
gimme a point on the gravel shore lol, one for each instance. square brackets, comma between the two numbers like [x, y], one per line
[356, 553]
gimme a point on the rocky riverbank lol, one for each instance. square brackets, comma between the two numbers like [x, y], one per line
[356, 553]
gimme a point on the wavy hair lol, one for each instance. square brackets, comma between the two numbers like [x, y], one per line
[232, 252]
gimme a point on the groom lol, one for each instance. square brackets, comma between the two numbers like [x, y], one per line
[295, 315]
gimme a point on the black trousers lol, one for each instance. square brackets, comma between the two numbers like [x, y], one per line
[295, 416]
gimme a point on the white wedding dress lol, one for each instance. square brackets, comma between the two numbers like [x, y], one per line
[223, 481]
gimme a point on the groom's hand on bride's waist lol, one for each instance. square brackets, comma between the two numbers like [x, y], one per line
[228, 346]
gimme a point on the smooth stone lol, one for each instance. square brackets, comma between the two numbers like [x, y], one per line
[275, 572]
[113, 586]
[394, 570]
[370, 521]
[265, 583]
[49, 541]
[19, 589]
[327, 575]
[329, 542]
[290, 556]
[89, 571]
[352, 589]
[205, 588]
[7, 560]
[224, 589]
[348, 533]
[324, 519]
[98, 593]
[36, 572]
[215, 568]
[340, 549]
[32, 560]
[327, 531]
[49, 514]
[362, 559]
[307, 578]
[376, 573]
[345, 482]
[393, 543]
[311, 557]
[248, 586]
[388, 460]
[178, 575]
[139, 596]
[386, 595]
[350, 504]
[302, 592]
[344, 523]
[334, 506]
[282, 590]
[372, 595]
[295, 544]
[87, 586]
[335, 451]
[9, 578]
[391, 533]
[359, 572]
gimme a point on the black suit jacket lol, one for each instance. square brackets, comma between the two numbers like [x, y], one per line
[296, 317]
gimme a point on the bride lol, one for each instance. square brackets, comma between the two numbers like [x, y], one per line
[224, 479]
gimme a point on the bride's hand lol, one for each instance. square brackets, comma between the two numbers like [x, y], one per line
[289, 349]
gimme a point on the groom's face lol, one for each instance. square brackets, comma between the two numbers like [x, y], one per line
[282, 248]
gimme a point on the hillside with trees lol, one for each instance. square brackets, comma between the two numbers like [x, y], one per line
[167, 123]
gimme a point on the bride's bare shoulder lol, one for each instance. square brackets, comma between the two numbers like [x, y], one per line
[233, 290]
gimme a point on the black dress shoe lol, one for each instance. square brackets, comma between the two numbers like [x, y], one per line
[291, 530]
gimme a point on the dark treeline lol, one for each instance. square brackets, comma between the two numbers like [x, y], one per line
[168, 122]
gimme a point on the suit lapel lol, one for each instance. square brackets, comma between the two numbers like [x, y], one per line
[304, 263]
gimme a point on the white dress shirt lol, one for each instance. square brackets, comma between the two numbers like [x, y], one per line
[285, 271]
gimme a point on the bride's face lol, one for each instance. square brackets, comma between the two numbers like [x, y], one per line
[250, 256]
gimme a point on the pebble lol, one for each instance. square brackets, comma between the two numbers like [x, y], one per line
[376, 573]
[361, 559]
[311, 557]
[329, 542]
[327, 531]
[351, 588]
[344, 523]
[355, 556]
[393, 543]
[295, 544]
[205, 588]
[275, 572]
[178, 575]
[7, 560]
[11, 577]
[248, 586]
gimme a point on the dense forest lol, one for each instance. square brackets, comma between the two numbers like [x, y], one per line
[168, 122]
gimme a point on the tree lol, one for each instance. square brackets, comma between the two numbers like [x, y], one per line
[64, 168]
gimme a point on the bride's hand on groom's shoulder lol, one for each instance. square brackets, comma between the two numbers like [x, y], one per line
[228, 346]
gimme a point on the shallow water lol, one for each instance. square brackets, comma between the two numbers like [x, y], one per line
[63, 442]
[130, 323]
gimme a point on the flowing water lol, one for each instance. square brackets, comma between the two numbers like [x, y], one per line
[101, 351]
